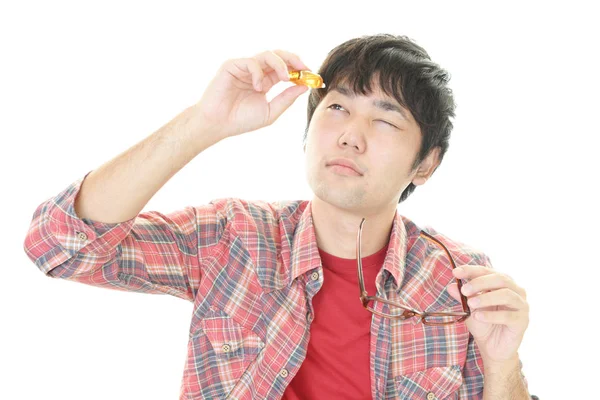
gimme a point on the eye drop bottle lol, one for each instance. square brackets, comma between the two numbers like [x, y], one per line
[307, 78]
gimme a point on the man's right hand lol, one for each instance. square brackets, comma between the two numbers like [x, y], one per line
[235, 100]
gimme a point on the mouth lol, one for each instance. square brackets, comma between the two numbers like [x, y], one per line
[343, 170]
[345, 166]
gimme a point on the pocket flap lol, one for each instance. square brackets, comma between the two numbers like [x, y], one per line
[228, 338]
[438, 383]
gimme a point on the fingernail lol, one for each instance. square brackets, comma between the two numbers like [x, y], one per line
[459, 270]
[466, 289]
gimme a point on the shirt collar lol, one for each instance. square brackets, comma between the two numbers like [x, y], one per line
[402, 238]
[305, 252]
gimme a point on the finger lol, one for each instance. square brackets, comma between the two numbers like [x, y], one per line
[270, 80]
[500, 317]
[501, 297]
[491, 281]
[246, 70]
[291, 59]
[270, 61]
[284, 100]
[471, 271]
[453, 291]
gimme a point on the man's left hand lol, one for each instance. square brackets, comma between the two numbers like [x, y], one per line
[499, 311]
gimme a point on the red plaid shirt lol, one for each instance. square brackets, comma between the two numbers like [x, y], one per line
[251, 269]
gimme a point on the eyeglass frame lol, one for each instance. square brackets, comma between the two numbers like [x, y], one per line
[408, 312]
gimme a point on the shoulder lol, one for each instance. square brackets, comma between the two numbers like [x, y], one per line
[259, 212]
[462, 252]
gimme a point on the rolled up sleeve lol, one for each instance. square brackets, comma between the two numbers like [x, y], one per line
[473, 378]
[152, 253]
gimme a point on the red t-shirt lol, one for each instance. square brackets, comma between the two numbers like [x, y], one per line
[337, 364]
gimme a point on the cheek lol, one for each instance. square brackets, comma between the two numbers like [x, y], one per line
[328, 121]
[320, 129]
[321, 135]
[392, 164]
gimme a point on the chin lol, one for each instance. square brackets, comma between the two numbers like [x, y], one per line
[344, 198]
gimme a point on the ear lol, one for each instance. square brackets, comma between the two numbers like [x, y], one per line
[427, 167]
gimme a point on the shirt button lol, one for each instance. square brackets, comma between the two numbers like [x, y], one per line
[430, 396]
[314, 276]
[283, 373]
[82, 236]
[226, 348]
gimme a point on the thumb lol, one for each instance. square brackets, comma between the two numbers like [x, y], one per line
[284, 100]
[453, 291]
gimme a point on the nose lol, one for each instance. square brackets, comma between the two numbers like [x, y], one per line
[353, 136]
[354, 132]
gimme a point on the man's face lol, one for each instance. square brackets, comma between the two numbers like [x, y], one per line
[367, 130]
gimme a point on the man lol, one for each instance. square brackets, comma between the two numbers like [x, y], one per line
[275, 285]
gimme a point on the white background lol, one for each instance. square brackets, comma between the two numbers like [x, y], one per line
[81, 82]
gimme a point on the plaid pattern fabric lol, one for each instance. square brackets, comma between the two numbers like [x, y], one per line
[246, 267]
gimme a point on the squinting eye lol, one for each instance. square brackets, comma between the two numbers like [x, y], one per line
[387, 123]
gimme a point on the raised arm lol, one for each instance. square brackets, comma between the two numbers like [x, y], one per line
[234, 103]
[93, 232]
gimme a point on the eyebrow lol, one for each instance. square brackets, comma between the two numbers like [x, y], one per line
[381, 104]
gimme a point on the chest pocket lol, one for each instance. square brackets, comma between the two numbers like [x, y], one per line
[437, 383]
[234, 347]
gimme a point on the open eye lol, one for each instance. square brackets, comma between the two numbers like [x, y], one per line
[335, 107]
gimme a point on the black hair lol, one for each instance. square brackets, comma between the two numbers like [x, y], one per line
[406, 73]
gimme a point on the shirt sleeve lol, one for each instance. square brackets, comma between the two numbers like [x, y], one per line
[473, 378]
[472, 387]
[150, 253]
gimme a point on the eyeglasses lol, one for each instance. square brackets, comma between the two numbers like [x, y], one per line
[428, 318]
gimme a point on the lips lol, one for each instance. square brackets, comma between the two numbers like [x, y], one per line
[346, 163]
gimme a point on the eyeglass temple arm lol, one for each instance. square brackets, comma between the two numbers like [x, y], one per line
[459, 284]
[363, 292]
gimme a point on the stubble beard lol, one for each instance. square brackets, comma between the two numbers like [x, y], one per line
[345, 196]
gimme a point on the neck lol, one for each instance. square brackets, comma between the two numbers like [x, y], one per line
[336, 229]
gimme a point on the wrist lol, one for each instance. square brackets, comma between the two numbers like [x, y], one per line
[504, 379]
[193, 132]
[204, 126]
[501, 366]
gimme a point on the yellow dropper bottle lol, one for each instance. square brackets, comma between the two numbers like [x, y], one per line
[307, 78]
